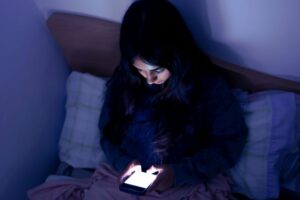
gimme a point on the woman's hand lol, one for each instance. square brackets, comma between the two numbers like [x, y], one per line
[165, 178]
[132, 167]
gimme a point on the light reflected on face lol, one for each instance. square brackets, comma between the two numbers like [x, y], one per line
[153, 74]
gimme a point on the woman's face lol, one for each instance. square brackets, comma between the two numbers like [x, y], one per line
[153, 74]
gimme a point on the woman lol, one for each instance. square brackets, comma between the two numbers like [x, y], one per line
[166, 110]
[174, 113]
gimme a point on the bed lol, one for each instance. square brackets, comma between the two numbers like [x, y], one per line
[90, 46]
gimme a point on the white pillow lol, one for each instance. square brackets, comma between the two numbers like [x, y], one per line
[79, 143]
[291, 176]
[270, 117]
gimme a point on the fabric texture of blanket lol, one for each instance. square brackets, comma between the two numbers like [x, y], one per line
[104, 184]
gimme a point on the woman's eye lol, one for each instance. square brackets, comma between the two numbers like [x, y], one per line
[159, 70]
[140, 71]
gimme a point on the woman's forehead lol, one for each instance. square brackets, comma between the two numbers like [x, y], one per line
[141, 64]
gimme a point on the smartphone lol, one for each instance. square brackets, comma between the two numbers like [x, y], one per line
[138, 183]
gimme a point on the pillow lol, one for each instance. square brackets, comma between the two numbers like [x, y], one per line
[79, 143]
[270, 117]
[291, 176]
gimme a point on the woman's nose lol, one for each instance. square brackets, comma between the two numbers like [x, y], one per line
[151, 78]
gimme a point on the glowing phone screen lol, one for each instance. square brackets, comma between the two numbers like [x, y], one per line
[141, 179]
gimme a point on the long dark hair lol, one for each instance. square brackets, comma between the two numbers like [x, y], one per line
[154, 31]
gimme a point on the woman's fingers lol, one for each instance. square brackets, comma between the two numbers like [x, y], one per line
[156, 184]
[130, 169]
[153, 170]
[165, 177]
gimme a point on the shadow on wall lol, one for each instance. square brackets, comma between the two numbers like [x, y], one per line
[33, 76]
[196, 15]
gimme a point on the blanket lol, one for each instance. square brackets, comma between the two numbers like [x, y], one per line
[104, 185]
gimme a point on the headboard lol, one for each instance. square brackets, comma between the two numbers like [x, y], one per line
[90, 44]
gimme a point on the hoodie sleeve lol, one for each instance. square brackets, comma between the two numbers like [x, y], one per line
[228, 136]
